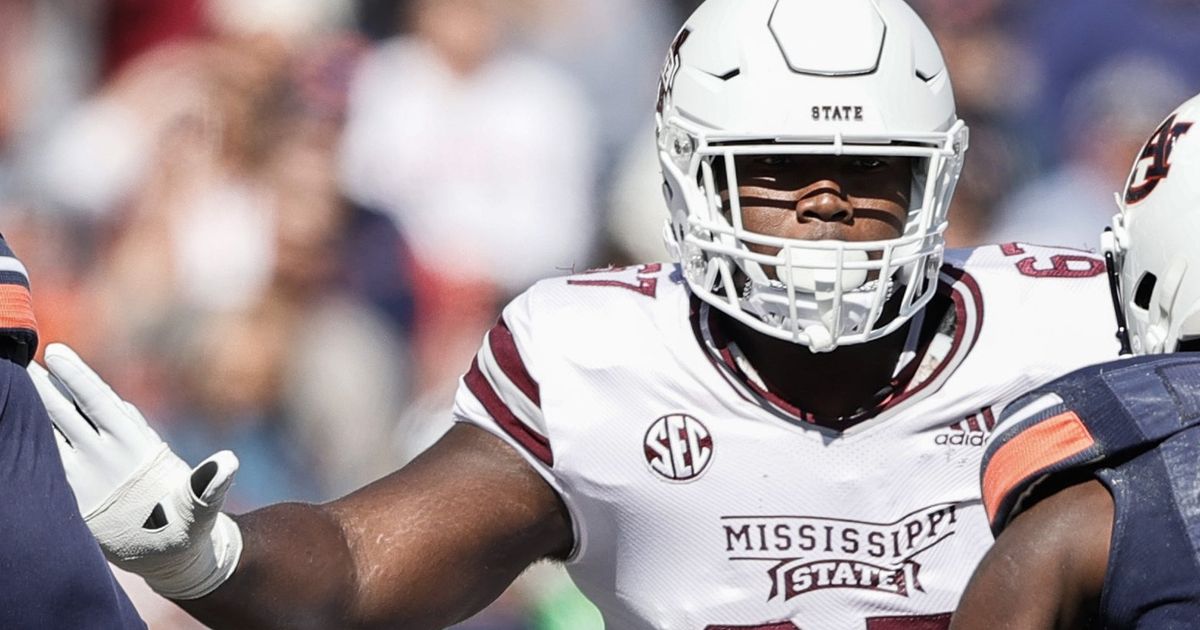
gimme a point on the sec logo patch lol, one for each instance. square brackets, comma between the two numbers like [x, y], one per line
[678, 447]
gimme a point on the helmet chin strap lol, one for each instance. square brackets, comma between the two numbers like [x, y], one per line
[670, 243]
[1108, 245]
[828, 302]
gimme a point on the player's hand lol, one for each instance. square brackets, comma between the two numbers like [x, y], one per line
[151, 513]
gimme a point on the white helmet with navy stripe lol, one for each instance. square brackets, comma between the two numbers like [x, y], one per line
[816, 77]
[1152, 248]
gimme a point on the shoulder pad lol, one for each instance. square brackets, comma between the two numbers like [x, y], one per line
[18, 326]
[1095, 414]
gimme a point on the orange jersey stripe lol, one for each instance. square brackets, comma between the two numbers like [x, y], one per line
[16, 307]
[1034, 449]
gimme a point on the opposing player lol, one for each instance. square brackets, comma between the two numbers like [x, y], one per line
[781, 430]
[54, 575]
[1092, 480]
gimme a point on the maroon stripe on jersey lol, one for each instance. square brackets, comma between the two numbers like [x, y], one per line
[961, 345]
[537, 444]
[768, 395]
[694, 315]
[969, 283]
[939, 621]
[989, 418]
[504, 350]
[728, 368]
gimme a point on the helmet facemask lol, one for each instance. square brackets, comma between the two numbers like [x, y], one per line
[819, 293]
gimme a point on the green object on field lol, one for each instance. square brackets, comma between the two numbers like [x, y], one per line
[566, 609]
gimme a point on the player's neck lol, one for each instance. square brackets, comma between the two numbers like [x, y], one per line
[831, 385]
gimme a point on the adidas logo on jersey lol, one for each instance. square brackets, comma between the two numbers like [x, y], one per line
[960, 438]
[971, 431]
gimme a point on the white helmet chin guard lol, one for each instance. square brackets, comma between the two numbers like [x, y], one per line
[806, 77]
[1153, 248]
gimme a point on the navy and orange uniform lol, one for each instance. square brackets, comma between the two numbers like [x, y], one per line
[1135, 426]
[53, 573]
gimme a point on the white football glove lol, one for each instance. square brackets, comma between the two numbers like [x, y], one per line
[151, 513]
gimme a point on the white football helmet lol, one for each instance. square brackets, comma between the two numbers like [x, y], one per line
[1153, 248]
[816, 77]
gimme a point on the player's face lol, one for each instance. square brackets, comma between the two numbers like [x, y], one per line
[848, 198]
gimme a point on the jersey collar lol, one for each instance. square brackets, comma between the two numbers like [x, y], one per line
[953, 321]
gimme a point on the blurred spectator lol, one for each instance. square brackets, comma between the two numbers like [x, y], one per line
[221, 287]
[987, 180]
[484, 156]
[379, 19]
[296, 24]
[989, 68]
[988, 63]
[46, 53]
[229, 370]
[1072, 203]
[330, 359]
[614, 48]
[346, 376]
[210, 167]
[1072, 39]
[133, 27]
[638, 213]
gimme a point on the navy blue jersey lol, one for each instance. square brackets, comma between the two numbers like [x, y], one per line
[1134, 425]
[52, 573]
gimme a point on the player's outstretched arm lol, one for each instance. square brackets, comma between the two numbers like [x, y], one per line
[422, 548]
[1046, 570]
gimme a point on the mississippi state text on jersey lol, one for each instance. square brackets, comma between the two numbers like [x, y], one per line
[1133, 425]
[700, 501]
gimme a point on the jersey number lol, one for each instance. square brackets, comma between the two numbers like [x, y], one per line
[910, 622]
[646, 284]
[1061, 265]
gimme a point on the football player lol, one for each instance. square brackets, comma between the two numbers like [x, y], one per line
[782, 429]
[1092, 481]
[54, 574]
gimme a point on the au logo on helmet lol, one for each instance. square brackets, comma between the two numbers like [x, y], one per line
[1154, 162]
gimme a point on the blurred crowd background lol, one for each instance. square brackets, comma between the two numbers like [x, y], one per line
[283, 226]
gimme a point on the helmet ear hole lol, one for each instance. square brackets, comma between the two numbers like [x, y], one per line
[1188, 345]
[1145, 289]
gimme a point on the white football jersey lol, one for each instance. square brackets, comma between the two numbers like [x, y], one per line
[702, 502]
